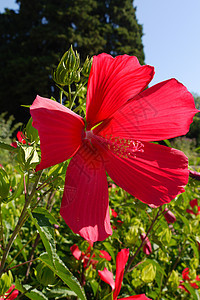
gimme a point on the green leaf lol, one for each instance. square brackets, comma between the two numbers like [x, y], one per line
[184, 219]
[46, 213]
[108, 297]
[46, 232]
[32, 294]
[59, 293]
[109, 248]
[31, 132]
[191, 290]
[167, 142]
[7, 147]
[65, 275]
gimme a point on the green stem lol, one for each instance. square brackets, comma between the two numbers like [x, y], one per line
[70, 94]
[1, 229]
[20, 251]
[19, 224]
[142, 243]
[61, 95]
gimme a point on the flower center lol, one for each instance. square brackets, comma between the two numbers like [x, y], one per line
[121, 147]
[124, 147]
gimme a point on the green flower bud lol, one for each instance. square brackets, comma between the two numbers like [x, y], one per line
[69, 63]
[87, 67]
[4, 184]
[148, 273]
[76, 76]
[165, 235]
[132, 236]
[44, 275]
[174, 280]
[194, 263]
[6, 281]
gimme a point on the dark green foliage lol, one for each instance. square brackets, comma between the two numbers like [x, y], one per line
[34, 38]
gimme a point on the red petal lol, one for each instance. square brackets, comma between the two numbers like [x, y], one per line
[105, 255]
[75, 251]
[185, 274]
[155, 176]
[59, 129]
[85, 200]
[137, 297]
[169, 216]
[161, 112]
[121, 261]
[112, 82]
[107, 277]
[193, 203]
[147, 245]
[189, 211]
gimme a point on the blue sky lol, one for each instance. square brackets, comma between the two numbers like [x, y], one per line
[171, 38]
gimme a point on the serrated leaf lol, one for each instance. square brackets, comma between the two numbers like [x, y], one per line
[65, 275]
[33, 294]
[59, 293]
[46, 232]
[46, 213]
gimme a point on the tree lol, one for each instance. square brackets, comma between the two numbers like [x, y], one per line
[34, 38]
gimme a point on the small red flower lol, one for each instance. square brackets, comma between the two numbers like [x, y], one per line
[195, 208]
[185, 275]
[169, 216]
[107, 276]
[86, 256]
[147, 245]
[13, 295]
[114, 213]
[21, 139]
[127, 118]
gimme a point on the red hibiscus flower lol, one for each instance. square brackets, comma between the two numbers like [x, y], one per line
[195, 208]
[86, 256]
[185, 275]
[147, 245]
[21, 139]
[128, 118]
[107, 276]
[169, 216]
[13, 295]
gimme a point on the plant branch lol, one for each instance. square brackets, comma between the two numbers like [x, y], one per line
[142, 243]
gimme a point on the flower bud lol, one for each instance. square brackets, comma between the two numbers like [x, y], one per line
[44, 275]
[65, 73]
[148, 273]
[147, 245]
[174, 280]
[131, 236]
[5, 282]
[169, 216]
[87, 67]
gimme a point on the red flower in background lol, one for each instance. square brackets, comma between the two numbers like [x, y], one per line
[13, 295]
[195, 208]
[169, 216]
[147, 245]
[128, 118]
[185, 275]
[21, 139]
[86, 256]
[107, 276]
